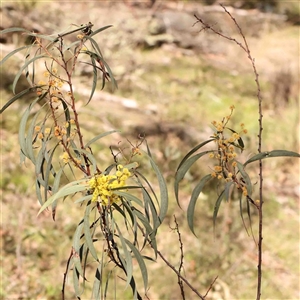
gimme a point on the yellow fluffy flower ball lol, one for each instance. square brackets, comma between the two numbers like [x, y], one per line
[102, 186]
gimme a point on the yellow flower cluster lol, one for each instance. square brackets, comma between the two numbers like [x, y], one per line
[65, 157]
[103, 185]
[41, 132]
[59, 132]
[53, 81]
[225, 153]
[244, 190]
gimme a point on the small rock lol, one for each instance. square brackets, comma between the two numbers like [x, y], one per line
[152, 41]
[157, 26]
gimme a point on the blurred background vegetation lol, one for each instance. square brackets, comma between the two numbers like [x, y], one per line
[173, 81]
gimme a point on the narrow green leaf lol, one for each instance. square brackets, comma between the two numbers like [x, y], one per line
[126, 187]
[273, 153]
[76, 283]
[129, 196]
[95, 47]
[111, 76]
[56, 182]
[77, 235]
[99, 57]
[249, 217]
[29, 137]
[67, 115]
[49, 168]
[87, 231]
[149, 202]
[42, 177]
[131, 166]
[22, 130]
[39, 163]
[217, 206]
[134, 224]
[126, 207]
[227, 190]
[81, 28]
[99, 137]
[12, 53]
[99, 30]
[96, 292]
[38, 192]
[16, 97]
[241, 211]
[13, 29]
[141, 176]
[245, 177]
[83, 259]
[26, 70]
[240, 140]
[67, 190]
[109, 71]
[99, 279]
[128, 259]
[22, 158]
[149, 230]
[84, 198]
[241, 143]
[95, 79]
[55, 188]
[193, 151]
[182, 170]
[109, 168]
[90, 157]
[194, 197]
[18, 75]
[22, 127]
[106, 284]
[77, 265]
[121, 211]
[140, 261]
[162, 188]
[42, 36]
[70, 46]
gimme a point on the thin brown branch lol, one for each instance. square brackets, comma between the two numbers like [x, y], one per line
[63, 143]
[179, 275]
[180, 283]
[210, 286]
[63, 65]
[73, 107]
[172, 267]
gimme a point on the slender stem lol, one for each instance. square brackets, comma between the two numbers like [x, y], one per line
[180, 283]
[73, 103]
[260, 123]
[179, 275]
[80, 136]
[172, 267]
[210, 286]
[245, 48]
